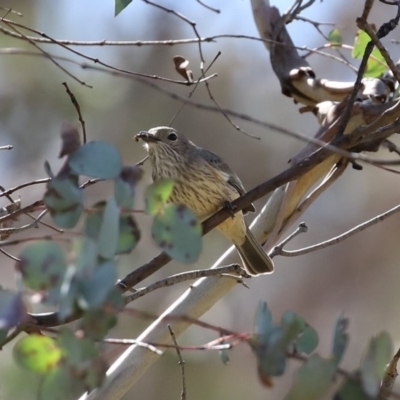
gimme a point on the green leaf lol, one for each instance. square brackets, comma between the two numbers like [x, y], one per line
[264, 322]
[292, 326]
[335, 37]
[38, 353]
[127, 237]
[95, 288]
[42, 265]
[86, 258]
[96, 374]
[68, 293]
[376, 64]
[308, 340]
[109, 230]
[269, 344]
[270, 351]
[97, 323]
[84, 261]
[379, 353]
[157, 195]
[129, 234]
[64, 199]
[297, 327]
[96, 159]
[120, 5]
[341, 339]
[177, 231]
[313, 380]
[352, 390]
[94, 220]
[12, 309]
[224, 355]
[3, 336]
[71, 140]
[125, 186]
[76, 350]
[57, 383]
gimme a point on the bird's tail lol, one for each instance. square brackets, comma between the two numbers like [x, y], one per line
[256, 261]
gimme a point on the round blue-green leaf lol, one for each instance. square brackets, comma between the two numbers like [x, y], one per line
[76, 350]
[379, 353]
[157, 195]
[177, 231]
[129, 234]
[125, 186]
[270, 351]
[352, 390]
[313, 380]
[96, 159]
[55, 384]
[264, 322]
[308, 341]
[335, 37]
[12, 309]
[341, 338]
[96, 288]
[64, 199]
[63, 193]
[109, 230]
[38, 353]
[120, 5]
[42, 265]
[97, 323]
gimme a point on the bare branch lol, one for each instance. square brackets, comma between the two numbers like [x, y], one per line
[340, 238]
[78, 110]
[181, 363]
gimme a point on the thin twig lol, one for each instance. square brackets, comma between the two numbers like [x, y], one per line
[6, 253]
[78, 110]
[10, 24]
[9, 231]
[46, 224]
[14, 189]
[302, 228]
[186, 276]
[181, 363]
[389, 378]
[155, 346]
[209, 7]
[340, 238]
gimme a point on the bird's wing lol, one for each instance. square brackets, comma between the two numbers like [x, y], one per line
[227, 174]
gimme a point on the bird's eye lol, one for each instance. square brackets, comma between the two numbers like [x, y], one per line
[172, 136]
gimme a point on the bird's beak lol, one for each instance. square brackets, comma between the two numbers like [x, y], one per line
[146, 137]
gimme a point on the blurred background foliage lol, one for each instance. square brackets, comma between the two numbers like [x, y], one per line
[359, 277]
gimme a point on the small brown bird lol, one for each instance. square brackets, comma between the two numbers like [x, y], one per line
[204, 183]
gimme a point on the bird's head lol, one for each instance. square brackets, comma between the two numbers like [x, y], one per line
[163, 138]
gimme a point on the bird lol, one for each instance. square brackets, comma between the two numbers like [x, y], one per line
[205, 184]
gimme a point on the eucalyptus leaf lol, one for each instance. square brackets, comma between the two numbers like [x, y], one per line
[42, 265]
[96, 159]
[314, 379]
[379, 353]
[38, 353]
[95, 288]
[177, 231]
[64, 199]
[125, 186]
[120, 5]
[12, 309]
[341, 338]
[157, 194]
[109, 230]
